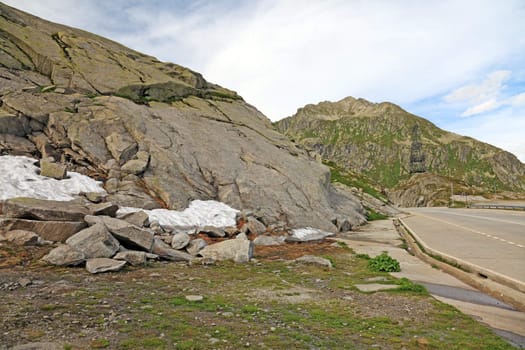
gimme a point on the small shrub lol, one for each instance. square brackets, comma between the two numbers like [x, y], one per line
[384, 263]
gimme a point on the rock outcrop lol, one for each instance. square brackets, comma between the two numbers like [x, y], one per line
[157, 134]
[385, 145]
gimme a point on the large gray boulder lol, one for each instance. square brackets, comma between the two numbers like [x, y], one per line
[269, 240]
[133, 257]
[125, 232]
[98, 265]
[138, 218]
[166, 252]
[195, 246]
[107, 209]
[45, 210]
[253, 226]
[94, 242]
[180, 240]
[238, 250]
[64, 255]
[204, 141]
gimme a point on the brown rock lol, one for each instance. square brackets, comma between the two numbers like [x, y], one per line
[22, 237]
[56, 231]
[108, 209]
[138, 218]
[41, 209]
[95, 197]
[253, 226]
[212, 231]
[51, 169]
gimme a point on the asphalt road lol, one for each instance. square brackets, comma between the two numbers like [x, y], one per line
[492, 239]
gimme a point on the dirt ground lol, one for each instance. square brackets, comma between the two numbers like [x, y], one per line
[270, 303]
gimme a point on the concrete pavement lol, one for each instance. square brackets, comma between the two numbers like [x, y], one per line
[379, 236]
[488, 242]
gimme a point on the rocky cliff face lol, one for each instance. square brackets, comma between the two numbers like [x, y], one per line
[157, 133]
[389, 145]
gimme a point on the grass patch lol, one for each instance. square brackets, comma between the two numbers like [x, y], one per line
[406, 285]
[339, 175]
[269, 304]
[372, 215]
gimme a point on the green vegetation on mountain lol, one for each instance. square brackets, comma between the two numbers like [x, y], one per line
[388, 145]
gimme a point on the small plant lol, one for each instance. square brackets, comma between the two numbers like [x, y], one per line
[384, 263]
[342, 245]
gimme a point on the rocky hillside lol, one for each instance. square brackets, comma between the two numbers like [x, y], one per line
[156, 133]
[384, 143]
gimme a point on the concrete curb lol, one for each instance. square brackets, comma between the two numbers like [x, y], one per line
[509, 289]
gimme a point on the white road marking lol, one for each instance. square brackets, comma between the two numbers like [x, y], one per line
[469, 229]
[482, 217]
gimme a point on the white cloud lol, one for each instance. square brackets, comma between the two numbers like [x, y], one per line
[282, 54]
[482, 107]
[488, 89]
[486, 96]
[517, 100]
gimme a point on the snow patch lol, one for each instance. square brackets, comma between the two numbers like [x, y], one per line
[199, 213]
[19, 178]
[308, 234]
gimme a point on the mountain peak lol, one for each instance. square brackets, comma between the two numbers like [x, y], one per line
[381, 141]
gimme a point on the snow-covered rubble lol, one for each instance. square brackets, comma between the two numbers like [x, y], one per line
[19, 178]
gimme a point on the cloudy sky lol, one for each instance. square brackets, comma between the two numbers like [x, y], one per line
[459, 63]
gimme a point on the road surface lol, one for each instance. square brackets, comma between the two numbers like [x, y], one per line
[491, 239]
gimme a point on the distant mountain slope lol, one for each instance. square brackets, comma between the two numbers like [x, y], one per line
[157, 134]
[387, 144]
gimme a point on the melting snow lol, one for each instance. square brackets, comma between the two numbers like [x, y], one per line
[308, 234]
[199, 213]
[19, 178]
